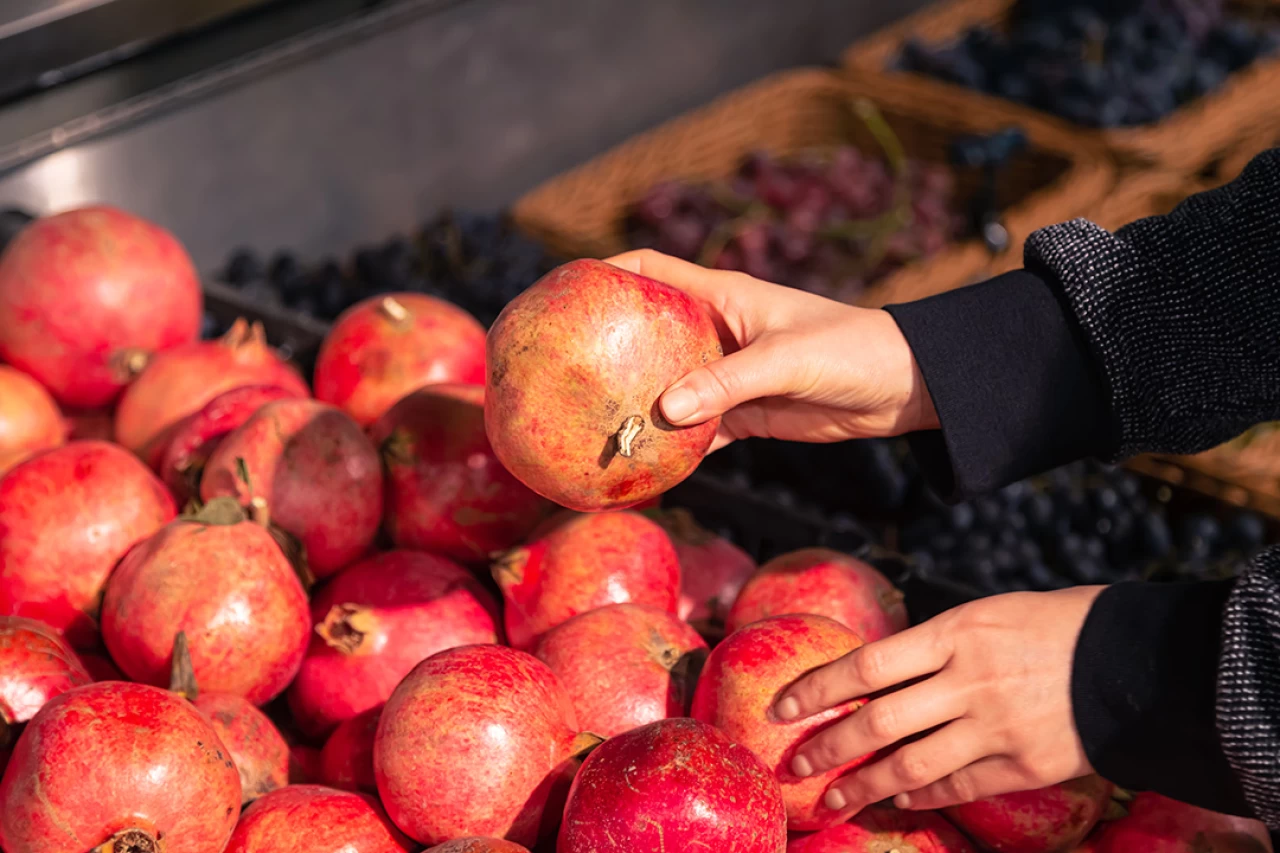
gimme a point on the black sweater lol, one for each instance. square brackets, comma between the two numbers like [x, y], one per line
[1164, 336]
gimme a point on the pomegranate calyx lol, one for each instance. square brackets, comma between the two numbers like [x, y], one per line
[346, 626]
[508, 568]
[129, 841]
[627, 434]
[294, 551]
[128, 364]
[583, 744]
[394, 310]
[182, 675]
[397, 449]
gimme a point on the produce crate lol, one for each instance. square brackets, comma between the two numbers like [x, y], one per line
[1185, 140]
[583, 212]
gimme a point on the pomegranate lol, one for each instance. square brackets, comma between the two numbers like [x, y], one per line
[316, 470]
[673, 785]
[29, 418]
[120, 765]
[304, 765]
[478, 740]
[88, 295]
[877, 830]
[66, 519]
[182, 381]
[388, 346]
[221, 580]
[196, 436]
[35, 665]
[374, 622]
[624, 665]
[446, 491]
[260, 754]
[1048, 820]
[825, 583]
[1157, 824]
[582, 562]
[319, 819]
[576, 365]
[712, 572]
[743, 678]
[346, 762]
[100, 667]
[475, 844]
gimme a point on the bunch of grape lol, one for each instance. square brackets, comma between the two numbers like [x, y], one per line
[1099, 64]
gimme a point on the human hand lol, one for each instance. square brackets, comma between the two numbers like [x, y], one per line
[987, 683]
[797, 366]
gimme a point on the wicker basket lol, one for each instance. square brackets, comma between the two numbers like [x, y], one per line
[1187, 139]
[582, 212]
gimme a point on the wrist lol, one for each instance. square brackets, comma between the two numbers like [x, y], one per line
[910, 394]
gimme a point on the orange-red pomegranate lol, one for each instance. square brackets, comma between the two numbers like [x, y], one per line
[624, 665]
[1157, 824]
[446, 491]
[87, 296]
[346, 762]
[257, 748]
[1047, 820]
[881, 830]
[581, 562]
[389, 346]
[742, 680]
[319, 474]
[827, 583]
[315, 818]
[475, 844]
[66, 519]
[576, 365]
[29, 418]
[712, 572]
[35, 665]
[129, 766]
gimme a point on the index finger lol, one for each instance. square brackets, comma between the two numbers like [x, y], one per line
[709, 285]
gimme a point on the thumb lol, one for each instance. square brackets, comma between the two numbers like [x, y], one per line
[713, 389]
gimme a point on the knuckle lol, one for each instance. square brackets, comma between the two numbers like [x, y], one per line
[913, 769]
[826, 751]
[868, 663]
[881, 720]
[961, 788]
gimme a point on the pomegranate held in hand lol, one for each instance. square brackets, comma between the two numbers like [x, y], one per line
[825, 583]
[446, 491]
[576, 365]
[581, 562]
[318, 820]
[881, 830]
[346, 762]
[712, 572]
[386, 347]
[29, 418]
[479, 740]
[35, 665]
[87, 296]
[66, 519]
[1157, 824]
[1047, 820]
[374, 622]
[624, 665]
[319, 474]
[475, 844]
[123, 762]
[673, 785]
[742, 680]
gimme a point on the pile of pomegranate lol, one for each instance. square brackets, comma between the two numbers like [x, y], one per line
[428, 601]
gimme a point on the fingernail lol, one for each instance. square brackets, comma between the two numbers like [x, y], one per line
[679, 404]
[787, 709]
[801, 766]
[902, 801]
[835, 800]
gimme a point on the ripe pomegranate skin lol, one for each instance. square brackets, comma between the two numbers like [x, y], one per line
[576, 365]
[257, 748]
[446, 491]
[36, 665]
[386, 347]
[883, 830]
[319, 820]
[712, 572]
[195, 437]
[672, 785]
[476, 844]
[346, 762]
[826, 583]
[1157, 824]
[180, 382]
[742, 679]
[30, 420]
[374, 622]
[624, 665]
[498, 726]
[1047, 820]
[319, 473]
[224, 582]
[66, 518]
[112, 756]
[88, 295]
[582, 562]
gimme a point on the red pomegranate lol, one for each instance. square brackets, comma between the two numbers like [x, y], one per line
[87, 296]
[740, 683]
[388, 346]
[446, 491]
[576, 365]
[475, 844]
[100, 667]
[161, 773]
[1157, 824]
[878, 830]
[29, 418]
[223, 582]
[315, 469]
[66, 519]
[183, 380]
[260, 754]
[582, 562]
[624, 665]
[673, 785]
[35, 665]
[195, 437]
[826, 583]
[315, 818]
[478, 740]
[304, 765]
[712, 572]
[346, 762]
[374, 622]
[1048, 820]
